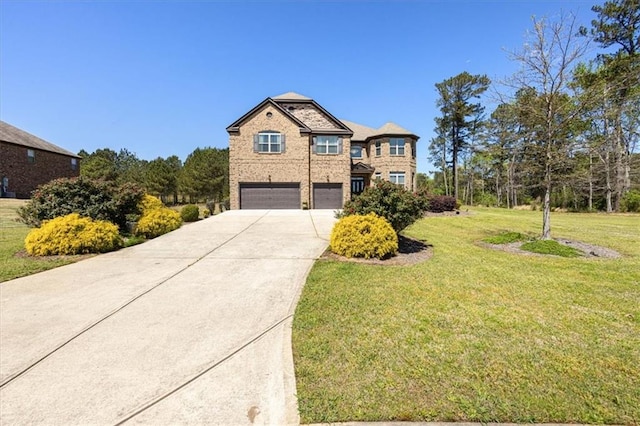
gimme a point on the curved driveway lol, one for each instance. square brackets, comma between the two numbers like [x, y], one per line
[190, 328]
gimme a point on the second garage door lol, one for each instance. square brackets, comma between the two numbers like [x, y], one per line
[327, 195]
[269, 195]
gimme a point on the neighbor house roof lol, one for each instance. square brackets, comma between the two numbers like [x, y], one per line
[11, 134]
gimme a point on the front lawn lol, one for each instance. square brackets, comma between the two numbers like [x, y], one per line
[13, 262]
[475, 334]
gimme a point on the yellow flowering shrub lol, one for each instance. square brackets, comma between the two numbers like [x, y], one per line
[72, 234]
[364, 236]
[149, 202]
[156, 222]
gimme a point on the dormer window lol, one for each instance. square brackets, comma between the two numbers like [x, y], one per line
[268, 142]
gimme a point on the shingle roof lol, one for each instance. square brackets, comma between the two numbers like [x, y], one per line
[360, 132]
[393, 129]
[291, 96]
[11, 134]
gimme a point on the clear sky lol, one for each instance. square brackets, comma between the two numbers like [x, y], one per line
[162, 78]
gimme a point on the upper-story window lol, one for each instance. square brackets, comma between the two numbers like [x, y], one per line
[31, 156]
[269, 142]
[413, 149]
[396, 146]
[327, 145]
[74, 164]
[356, 151]
[378, 148]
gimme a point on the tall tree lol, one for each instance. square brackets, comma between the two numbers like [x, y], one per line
[547, 60]
[206, 174]
[618, 25]
[461, 118]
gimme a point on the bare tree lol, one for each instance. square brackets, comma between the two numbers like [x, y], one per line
[550, 52]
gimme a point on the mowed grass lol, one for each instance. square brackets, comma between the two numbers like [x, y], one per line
[475, 334]
[12, 235]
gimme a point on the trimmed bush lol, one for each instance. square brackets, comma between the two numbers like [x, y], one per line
[157, 222]
[364, 236]
[190, 213]
[89, 198]
[397, 205]
[72, 234]
[149, 202]
[441, 203]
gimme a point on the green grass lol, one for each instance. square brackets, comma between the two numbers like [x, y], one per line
[506, 238]
[12, 235]
[475, 334]
[550, 247]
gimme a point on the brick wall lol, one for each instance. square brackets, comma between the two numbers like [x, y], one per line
[297, 164]
[25, 176]
[245, 165]
[387, 163]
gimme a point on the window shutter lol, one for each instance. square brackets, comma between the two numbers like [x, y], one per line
[339, 145]
[255, 143]
[314, 145]
[282, 142]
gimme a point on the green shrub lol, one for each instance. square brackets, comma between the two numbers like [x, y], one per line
[550, 247]
[397, 205]
[506, 238]
[190, 213]
[72, 234]
[89, 198]
[149, 202]
[435, 203]
[631, 202]
[156, 222]
[364, 236]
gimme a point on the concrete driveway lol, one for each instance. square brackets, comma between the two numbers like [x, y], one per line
[193, 327]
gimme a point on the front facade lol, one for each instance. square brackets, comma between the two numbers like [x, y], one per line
[289, 152]
[27, 161]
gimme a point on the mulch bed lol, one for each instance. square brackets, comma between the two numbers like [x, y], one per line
[589, 251]
[410, 252]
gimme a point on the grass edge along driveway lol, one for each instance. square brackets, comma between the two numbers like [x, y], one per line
[475, 334]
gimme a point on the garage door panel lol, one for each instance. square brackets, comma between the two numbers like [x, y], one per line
[327, 195]
[269, 195]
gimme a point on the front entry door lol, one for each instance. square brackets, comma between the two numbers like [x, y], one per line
[357, 185]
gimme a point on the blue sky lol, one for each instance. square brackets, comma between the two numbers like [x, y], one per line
[162, 78]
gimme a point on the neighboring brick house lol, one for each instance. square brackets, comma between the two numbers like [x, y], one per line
[288, 152]
[27, 161]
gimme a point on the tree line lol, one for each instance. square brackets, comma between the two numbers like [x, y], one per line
[564, 131]
[204, 175]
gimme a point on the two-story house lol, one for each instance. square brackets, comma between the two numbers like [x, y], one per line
[288, 152]
[26, 161]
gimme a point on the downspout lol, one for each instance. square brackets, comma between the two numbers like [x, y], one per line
[309, 172]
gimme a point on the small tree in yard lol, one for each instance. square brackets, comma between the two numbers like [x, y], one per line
[393, 202]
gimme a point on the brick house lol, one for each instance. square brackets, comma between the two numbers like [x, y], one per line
[288, 152]
[27, 161]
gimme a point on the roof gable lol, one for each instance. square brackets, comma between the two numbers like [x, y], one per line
[235, 126]
[11, 134]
